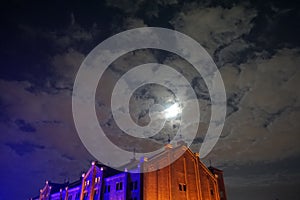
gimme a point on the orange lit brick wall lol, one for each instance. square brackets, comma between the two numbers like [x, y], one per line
[185, 179]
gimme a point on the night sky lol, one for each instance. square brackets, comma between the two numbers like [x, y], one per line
[255, 44]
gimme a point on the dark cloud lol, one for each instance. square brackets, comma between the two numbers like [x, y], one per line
[3, 112]
[234, 99]
[276, 28]
[71, 158]
[198, 140]
[200, 88]
[283, 167]
[51, 122]
[271, 117]
[24, 147]
[254, 43]
[34, 36]
[25, 126]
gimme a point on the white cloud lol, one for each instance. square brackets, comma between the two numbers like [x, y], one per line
[215, 27]
[265, 128]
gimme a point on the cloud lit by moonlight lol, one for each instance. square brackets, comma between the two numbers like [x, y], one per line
[172, 111]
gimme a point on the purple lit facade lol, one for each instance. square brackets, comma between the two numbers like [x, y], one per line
[186, 178]
[99, 182]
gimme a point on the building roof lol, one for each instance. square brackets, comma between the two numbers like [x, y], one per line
[108, 171]
[132, 164]
[55, 187]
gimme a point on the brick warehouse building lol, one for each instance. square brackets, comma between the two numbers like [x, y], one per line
[187, 178]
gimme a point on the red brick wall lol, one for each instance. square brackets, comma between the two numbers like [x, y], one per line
[186, 178]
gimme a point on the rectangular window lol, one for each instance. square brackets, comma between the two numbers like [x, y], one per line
[97, 179]
[133, 185]
[119, 185]
[95, 194]
[211, 191]
[107, 189]
[85, 197]
[221, 194]
[77, 197]
[86, 183]
[182, 187]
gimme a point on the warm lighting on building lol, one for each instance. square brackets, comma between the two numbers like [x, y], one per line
[97, 179]
[185, 178]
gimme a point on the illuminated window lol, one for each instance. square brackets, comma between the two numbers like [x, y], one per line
[182, 187]
[87, 183]
[97, 179]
